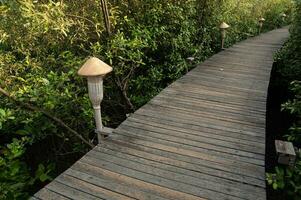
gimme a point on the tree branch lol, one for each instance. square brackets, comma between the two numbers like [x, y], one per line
[36, 109]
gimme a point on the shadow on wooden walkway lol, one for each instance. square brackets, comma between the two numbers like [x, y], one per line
[203, 137]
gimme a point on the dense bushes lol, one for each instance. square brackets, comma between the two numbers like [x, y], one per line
[43, 43]
[288, 68]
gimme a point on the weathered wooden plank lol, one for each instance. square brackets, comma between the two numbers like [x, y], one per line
[195, 91]
[206, 136]
[211, 102]
[211, 182]
[229, 77]
[156, 176]
[237, 59]
[180, 139]
[248, 66]
[201, 137]
[177, 167]
[86, 165]
[202, 127]
[244, 82]
[103, 188]
[203, 152]
[231, 89]
[234, 70]
[227, 85]
[180, 117]
[181, 109]
[69, 191]
[191, 101]
[170, 101]
[182, 161]
[208, 188]
[216, 88]
[228, 73]
[213, 161]
[109, 183]
[49, 195]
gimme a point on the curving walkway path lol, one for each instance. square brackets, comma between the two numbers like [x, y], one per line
[203, 137]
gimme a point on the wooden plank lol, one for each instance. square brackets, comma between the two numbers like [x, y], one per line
[227, 73]
[180, 139]
[206, 136]
[205, 151]
[69, 191]
[160, 102]
[181, 161]
[227, 85]
[236, 59]
[201, 127]
[244, 83]
[85, 165]
[211, 182]
[212, 103]
[210, 160]
[208, 188]
[191, 106]
[105, 184]
[248, 67]
[102, 189]
[154, 177]
[203, 104]
[176, 166]
[254, 72]
[216, 88]
[200, 121]
[231, 89]
[229, 77]
[49, 195]
[201, 137]
[195, 91]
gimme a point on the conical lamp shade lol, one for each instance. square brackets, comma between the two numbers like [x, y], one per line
[94, 67]
[224, 26]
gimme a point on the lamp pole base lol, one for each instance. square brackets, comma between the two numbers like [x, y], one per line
[104, 133]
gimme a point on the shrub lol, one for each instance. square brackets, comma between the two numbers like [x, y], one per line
[284, 178]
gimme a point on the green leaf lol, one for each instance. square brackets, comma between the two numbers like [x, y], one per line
[2, 112]
[22, 132]
[44, 177]
[275, 186]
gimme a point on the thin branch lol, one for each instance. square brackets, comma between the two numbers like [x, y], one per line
[106, 18]
[36, 109]
[80, 17]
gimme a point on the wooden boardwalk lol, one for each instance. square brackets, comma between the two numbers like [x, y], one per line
[203, 137]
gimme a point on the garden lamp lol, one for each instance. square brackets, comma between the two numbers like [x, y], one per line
[283, 16]
[223, 28]
[95, 70]
[260, 22]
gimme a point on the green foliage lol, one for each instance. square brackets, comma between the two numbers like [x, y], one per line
[288, 179]
[43, 43]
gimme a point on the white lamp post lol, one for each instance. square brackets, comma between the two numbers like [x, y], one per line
[260, 23]
[223, 27]
[95, 70]
[283, 16]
